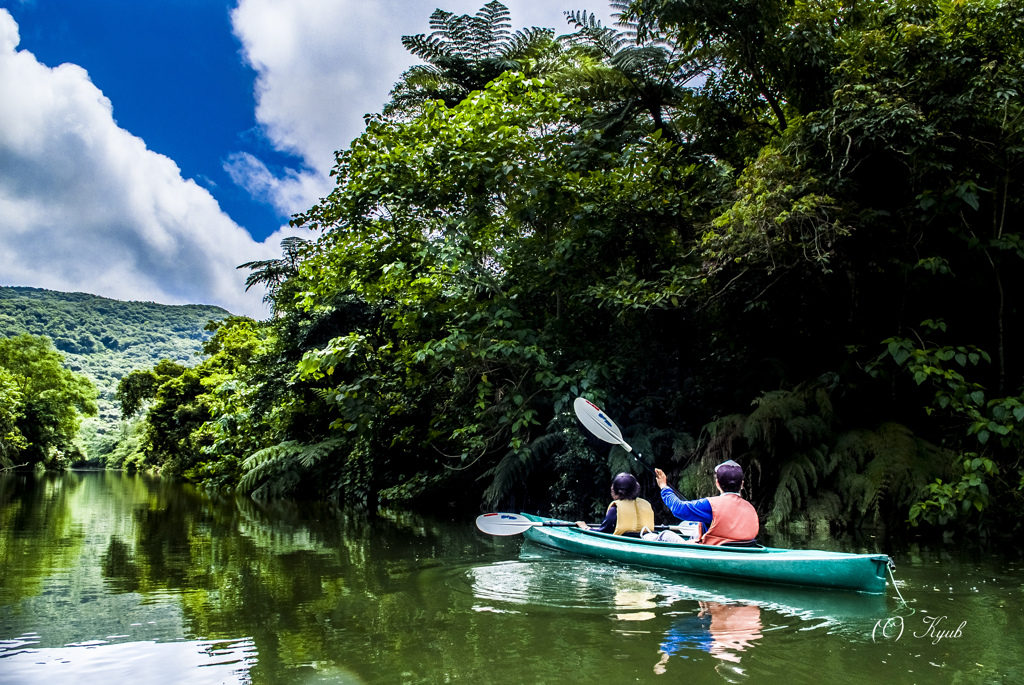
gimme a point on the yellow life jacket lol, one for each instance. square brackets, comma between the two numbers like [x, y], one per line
[633, 515]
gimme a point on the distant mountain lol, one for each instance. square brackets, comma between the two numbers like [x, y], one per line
[105, 339]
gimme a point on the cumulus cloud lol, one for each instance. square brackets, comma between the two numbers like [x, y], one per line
[321, 65]
[84, 205]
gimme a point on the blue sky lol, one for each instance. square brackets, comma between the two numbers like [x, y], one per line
[147, 147]
[174, 72]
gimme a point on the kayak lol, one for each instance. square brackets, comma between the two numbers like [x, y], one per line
[813, 568]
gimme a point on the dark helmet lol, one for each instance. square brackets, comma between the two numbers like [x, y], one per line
[626, 486]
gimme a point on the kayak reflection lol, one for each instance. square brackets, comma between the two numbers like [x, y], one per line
[720, 629]
[842, 611]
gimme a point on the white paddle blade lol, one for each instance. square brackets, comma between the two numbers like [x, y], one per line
[598, 423]
[504, 524]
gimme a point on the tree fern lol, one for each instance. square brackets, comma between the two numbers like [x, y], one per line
[795, 461]
[274, 470]
[272, 273]
[516, 465]
[641, 76]
[889, 464]
[463, 54]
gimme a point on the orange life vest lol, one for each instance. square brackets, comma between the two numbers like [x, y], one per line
[733, 519]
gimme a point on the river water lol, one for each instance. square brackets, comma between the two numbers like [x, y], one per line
[110, 578]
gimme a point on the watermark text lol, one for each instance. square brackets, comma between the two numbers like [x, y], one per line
[936, 629]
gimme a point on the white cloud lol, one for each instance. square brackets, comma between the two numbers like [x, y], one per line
[288, 194]
[322, 64]
[84, 205]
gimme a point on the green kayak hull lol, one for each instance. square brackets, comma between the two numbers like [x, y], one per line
[812, 568]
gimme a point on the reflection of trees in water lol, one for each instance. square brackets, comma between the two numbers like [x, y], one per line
[119, 568]
[310, 583]
[376, 595]
[37, 532]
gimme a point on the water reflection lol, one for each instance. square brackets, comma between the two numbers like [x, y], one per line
[721, 630]
[128, 578]
[636, 602]
[194, 662]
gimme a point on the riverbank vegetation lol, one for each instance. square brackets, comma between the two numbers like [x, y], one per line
[105, 339]
[41, 405]
[785, 233]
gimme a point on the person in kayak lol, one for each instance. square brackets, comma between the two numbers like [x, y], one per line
[727, 518]
[628, 514]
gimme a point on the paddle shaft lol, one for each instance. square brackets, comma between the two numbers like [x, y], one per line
[514, 527]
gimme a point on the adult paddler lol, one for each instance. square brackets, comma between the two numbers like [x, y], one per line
[726, 518]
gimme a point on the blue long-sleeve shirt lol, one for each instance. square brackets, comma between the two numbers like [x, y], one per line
[610, 519]
[698, 510]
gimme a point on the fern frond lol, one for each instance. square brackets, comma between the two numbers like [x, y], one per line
[265, 460]
[494, 14]
[646, 60]
[273, 462]
[888, 464]
[515, 466]
[825, 507]
[581, 19]
[525, 43]
[440, 20]
[429, 49]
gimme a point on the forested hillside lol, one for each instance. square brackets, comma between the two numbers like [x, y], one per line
[105, 339]
[787, 233]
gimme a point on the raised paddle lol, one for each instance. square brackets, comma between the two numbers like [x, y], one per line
[603, 428]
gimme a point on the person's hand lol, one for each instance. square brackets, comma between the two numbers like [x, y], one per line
[662, 479]
[583, 525]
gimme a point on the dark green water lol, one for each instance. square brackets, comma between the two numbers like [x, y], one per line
[108, 578]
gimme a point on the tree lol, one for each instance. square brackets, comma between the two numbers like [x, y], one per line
[12, 442]
[803, 259]
[621, 75]
[464, 53]
[44, 400]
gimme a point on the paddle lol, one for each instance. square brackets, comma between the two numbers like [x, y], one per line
[511, 524]
[603, 428]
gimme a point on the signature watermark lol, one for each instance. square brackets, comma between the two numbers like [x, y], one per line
[936, 628]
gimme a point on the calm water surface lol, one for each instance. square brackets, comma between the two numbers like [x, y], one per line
[112, 578]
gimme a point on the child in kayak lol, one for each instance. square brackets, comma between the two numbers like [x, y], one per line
[628, 514]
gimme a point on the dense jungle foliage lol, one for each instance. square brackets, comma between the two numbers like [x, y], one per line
[41, 405]
[105, 339]
[783, 232]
